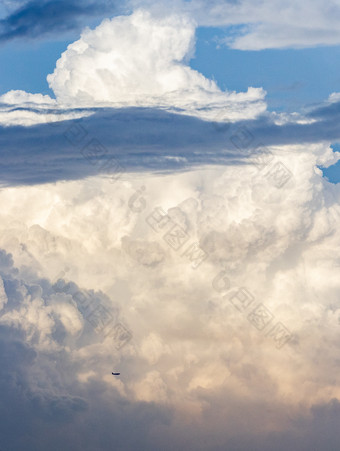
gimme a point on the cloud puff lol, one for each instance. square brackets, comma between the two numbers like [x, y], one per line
[140, 60]
[24, 98]
[25, 109]
[334, 97]
[3, 297]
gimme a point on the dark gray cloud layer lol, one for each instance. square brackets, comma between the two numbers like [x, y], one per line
[138, 139]
[37, 18]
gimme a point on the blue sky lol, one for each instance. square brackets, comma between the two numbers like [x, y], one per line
[26, 66]
[170, 211]
[293, 78]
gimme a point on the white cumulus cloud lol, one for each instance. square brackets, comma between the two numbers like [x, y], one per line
[142, 60]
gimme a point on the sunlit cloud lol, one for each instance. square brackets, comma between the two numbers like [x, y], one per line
[156, 226]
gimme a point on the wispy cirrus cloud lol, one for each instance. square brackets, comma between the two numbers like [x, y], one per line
[262, 24]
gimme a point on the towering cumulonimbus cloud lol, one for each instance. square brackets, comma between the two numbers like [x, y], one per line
[214, 292]
[197, 352]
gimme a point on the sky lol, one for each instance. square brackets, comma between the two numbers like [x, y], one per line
[169, 182]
